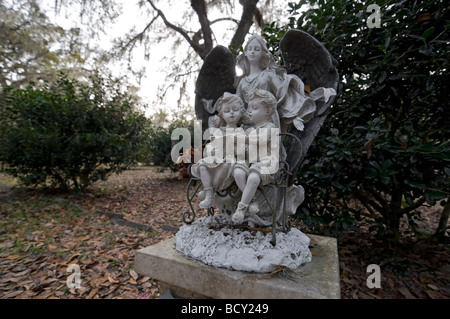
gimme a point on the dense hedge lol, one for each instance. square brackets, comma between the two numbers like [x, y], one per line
[69, 134]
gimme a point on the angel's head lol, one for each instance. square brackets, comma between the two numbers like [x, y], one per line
[231, 111]
[256, 48]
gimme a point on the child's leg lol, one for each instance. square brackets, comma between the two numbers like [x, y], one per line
[219, 174]
[240, 177]
[248, 193]
[251, 187]
[206, 178]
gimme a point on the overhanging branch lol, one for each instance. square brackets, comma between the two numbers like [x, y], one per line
[199, 7]
[249, 10]
[225, 19]
[181, 31]
[139, 36]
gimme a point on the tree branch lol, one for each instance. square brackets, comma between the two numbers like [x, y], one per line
[378, 197]
[414, 206]
[224, 19]
[138, 36]
[181, 31]
[366, 199]
[187, 73]
[249, 9]
[199, 7]
[442, 227]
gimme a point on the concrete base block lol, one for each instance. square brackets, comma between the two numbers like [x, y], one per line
[188, 278]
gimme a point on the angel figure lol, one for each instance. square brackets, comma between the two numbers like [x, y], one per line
[304, 89]
[260, 71]
[215, 169]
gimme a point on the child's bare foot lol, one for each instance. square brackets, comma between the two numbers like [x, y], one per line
[238, 216]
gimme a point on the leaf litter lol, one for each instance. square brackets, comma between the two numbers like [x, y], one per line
[42, 232]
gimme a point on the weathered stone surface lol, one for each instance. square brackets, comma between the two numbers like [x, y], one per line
[317, 279]
[242, 250]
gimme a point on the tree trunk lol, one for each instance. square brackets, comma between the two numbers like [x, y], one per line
[249, 9]
[394, 213]
[444, 219]
[199, 7]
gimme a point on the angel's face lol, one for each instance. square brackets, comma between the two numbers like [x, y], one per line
[231, 113]
[254, 51]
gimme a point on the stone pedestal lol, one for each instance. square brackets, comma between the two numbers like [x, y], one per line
[188, 278]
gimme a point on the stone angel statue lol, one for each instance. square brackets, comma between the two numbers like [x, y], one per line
[304, 88]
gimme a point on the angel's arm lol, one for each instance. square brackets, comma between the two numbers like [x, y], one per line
[275, 82]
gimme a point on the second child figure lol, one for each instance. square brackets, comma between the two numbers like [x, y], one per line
[261, 106]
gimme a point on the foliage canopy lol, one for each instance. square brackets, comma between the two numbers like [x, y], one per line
[386, 142]
[32, 48]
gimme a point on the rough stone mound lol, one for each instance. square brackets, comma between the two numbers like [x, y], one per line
[243, 250]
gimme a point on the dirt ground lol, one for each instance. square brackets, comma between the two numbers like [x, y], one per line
[43, 232]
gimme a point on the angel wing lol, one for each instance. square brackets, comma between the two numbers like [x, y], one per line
[215, 78]
[307, 58]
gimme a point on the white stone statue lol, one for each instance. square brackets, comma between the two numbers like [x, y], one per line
[261, 72]
[297, 105]
[215, 170]
[292, 99]
[261, 106]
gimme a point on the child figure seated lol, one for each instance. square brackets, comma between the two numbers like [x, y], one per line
[215, 169]
[263, 152]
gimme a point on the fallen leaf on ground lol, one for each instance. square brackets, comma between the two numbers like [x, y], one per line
[134, 274]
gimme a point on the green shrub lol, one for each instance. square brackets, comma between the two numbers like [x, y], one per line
[159, 144]
[69, 134]
[384, 151]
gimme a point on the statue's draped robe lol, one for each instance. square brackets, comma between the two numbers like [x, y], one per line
[294, 105]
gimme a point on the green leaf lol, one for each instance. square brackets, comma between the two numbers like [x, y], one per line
[428, 32]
